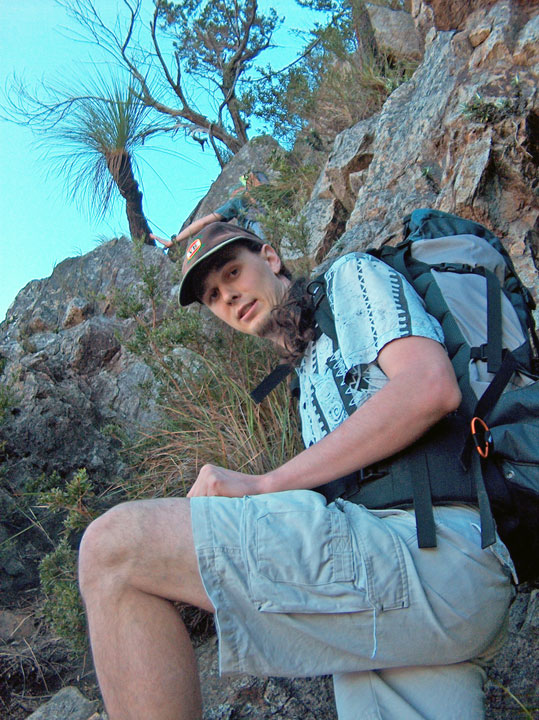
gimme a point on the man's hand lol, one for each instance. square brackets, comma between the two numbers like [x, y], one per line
[214, 480]
[166, 243]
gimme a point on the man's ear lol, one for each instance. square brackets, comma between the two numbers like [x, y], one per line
[272, 258]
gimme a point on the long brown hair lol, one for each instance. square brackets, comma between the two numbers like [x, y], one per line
[295, 317]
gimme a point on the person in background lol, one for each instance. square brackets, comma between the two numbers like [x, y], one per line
[240, 207]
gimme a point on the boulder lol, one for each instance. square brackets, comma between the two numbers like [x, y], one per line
[395, 33]
[243, 696]
[445, 15]
[67, 704]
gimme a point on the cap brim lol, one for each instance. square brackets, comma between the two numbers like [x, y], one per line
[186, 294]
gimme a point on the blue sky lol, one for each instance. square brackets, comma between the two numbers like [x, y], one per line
[41, 226]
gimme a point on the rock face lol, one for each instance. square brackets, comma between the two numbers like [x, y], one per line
[72, 381]
[68, 704]
[462, 136]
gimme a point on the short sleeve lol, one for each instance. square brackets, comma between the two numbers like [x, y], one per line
[372, 305]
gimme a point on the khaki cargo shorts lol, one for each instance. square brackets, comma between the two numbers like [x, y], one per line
[303, 588]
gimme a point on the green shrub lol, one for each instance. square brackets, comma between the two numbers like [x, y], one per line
[62, 606]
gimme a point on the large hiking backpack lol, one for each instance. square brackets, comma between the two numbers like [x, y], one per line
[488, 451]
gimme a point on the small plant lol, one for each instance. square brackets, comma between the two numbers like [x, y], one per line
[494, 111]
[62, 607]
[428, 174]
[214, 420]
[6, 401]
[281, 202]
[76, 499]
[525, 711]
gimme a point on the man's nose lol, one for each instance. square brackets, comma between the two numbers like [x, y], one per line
[230, 294]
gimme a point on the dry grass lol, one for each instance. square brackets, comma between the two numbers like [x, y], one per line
[353, 90]
[213, 420]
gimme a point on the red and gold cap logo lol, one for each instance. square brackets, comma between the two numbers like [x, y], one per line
[193, 248]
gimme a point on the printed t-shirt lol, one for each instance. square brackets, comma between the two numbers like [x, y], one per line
[372, 305]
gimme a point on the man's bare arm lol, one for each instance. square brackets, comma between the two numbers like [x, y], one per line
[422, 389]
[190, 230]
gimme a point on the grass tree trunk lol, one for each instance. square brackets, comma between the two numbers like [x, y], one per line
[121, 169]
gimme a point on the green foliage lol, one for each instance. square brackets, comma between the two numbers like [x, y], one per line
[210, 417]
[34, 486]
[208, 33]
[484, 111]
[62, 607]
[7, 394]
[281, 202]
[7, 400]
[428, 174]
[335, 83]
[494, 111]
[76, 500]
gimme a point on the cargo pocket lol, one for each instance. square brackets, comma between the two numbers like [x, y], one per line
[304, 559]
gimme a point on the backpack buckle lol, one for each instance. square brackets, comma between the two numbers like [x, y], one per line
[481, 435]
[479, 352]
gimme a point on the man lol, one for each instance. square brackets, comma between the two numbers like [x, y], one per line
[301, 587]
[240, 207]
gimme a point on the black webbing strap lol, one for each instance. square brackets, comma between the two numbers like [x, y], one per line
[424, 515]
[488, 528]
[325, 323]
[276, 376]
[497, 385]
[491, 351]
[489, 399]
[494, 322]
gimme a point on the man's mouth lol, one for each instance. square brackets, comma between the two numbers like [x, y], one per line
[245, 310]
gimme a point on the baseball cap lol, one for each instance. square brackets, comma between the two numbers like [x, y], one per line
[207, 242]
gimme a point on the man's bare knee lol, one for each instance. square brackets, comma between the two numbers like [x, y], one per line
[147, 545]
[104, 547]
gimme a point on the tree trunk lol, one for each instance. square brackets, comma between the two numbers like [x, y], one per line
[121, 169]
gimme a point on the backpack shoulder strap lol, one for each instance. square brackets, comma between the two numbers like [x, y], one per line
[326, 324]
[323, 315]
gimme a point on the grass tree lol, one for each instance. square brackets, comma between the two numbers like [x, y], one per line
[93, 147]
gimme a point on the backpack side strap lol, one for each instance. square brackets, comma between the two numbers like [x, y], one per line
[270, 382]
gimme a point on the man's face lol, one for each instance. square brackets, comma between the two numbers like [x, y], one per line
[244, 291]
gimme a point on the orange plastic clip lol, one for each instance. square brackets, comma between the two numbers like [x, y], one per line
[481, 436]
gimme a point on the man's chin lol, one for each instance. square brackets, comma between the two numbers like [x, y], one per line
[265, 328]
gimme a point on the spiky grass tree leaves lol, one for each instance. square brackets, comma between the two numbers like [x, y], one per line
[93, 147]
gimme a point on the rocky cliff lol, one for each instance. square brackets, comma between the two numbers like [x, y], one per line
[462, 135]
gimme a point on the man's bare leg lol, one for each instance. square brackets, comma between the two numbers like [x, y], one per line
[134, 560]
